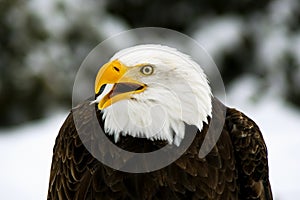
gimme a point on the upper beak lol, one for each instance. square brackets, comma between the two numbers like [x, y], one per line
[112, 84]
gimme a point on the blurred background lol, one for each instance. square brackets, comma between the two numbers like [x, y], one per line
[255, 44]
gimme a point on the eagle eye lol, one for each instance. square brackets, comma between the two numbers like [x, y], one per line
[146, 70]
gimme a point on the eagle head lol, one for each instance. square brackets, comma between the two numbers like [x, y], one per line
[151, 91]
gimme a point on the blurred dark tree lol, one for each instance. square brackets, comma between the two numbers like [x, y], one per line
[179, 14]
[15, 42]
[39, 58]
[292, 78]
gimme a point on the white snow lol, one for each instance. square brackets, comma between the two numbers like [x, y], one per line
[26, 151]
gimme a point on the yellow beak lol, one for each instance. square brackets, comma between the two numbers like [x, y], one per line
[113, 85]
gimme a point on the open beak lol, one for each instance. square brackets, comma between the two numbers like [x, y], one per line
[113, 85]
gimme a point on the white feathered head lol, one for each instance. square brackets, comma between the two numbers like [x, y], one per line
[150, 91]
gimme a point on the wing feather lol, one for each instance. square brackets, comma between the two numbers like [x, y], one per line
[251, 156]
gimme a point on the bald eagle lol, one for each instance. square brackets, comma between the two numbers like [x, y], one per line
[145, 97]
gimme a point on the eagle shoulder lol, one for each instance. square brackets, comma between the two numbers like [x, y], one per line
[250, 154]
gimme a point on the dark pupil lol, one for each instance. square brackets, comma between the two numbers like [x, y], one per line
[146, 70]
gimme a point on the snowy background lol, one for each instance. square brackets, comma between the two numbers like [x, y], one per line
[42, 44]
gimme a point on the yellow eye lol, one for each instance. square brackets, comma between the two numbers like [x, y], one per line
[146, 70]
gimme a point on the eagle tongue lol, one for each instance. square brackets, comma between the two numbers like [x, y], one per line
[124, 87]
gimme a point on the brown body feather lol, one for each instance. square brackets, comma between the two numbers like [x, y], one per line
[236, 168]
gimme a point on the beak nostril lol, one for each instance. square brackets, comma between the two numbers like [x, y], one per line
[117, 69]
